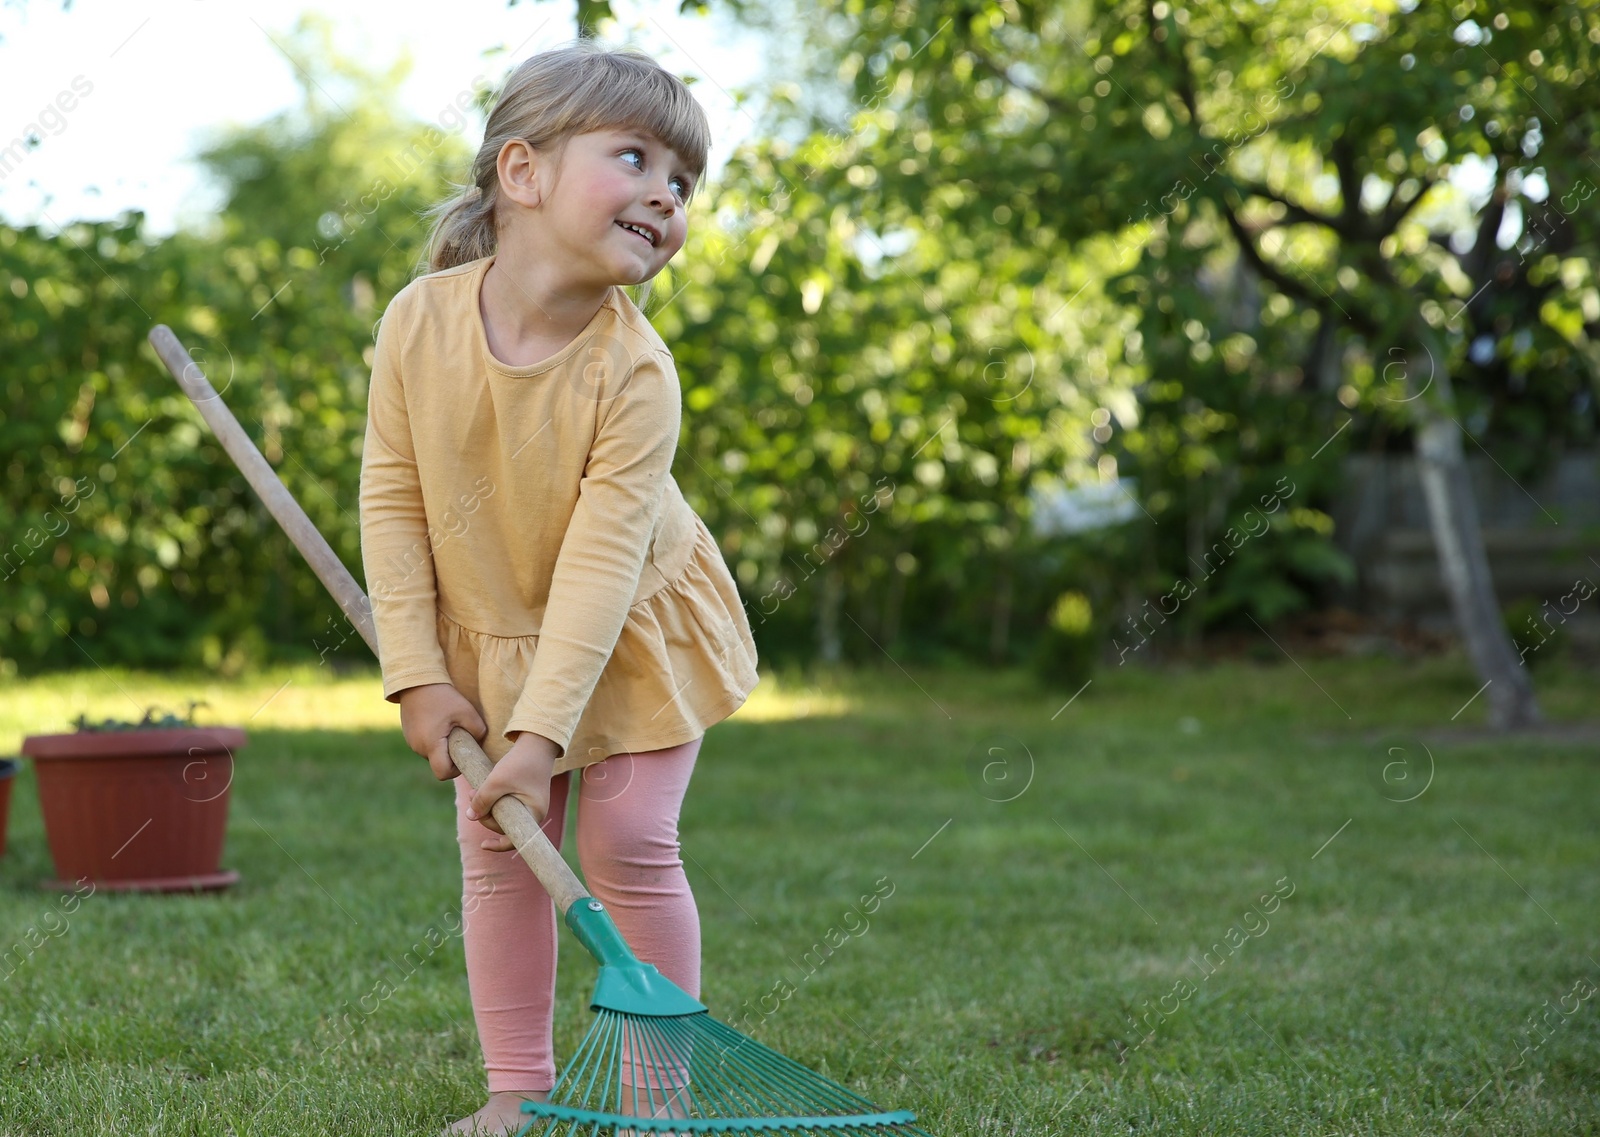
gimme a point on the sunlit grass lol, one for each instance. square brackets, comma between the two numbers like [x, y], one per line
[298, 698]
[292, 698]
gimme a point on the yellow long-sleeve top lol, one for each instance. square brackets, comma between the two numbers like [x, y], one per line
[523, 537]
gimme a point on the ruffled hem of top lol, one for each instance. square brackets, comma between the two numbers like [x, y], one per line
[684, 660]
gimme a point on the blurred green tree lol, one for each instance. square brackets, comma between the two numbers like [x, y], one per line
[170, 557]
[866, 414]
[1280, 175]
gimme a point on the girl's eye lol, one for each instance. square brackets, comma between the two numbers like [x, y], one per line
[682, 184]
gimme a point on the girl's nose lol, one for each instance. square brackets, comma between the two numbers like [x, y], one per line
[661, 198]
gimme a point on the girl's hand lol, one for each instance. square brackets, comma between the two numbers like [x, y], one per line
[523, 773]
[428, 714]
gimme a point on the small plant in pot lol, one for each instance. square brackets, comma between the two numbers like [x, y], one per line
[137, 806]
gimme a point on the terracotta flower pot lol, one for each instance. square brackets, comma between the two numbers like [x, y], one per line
[8, 775]
[141, 810]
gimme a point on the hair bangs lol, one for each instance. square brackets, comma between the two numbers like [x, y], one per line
[622, 91]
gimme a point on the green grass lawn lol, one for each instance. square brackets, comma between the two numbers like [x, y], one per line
[1075, 940]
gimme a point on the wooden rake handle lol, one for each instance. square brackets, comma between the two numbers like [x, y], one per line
[514, 817]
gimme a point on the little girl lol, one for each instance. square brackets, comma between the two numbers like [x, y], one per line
[536, 576]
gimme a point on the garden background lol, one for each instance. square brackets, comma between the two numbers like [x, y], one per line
[1025, 349]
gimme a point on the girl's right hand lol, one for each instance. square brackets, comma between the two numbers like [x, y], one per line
[427, 716]
[522, 772]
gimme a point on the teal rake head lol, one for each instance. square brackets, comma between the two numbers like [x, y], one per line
[655, 1061]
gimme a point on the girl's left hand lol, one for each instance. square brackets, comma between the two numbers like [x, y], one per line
[524, 773]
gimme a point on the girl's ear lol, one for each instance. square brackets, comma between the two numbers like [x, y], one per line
[525, 173]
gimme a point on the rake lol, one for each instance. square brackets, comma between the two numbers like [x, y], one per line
[654, 1060]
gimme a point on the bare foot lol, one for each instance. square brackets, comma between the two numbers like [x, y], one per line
[500, 1115]
[672, 1104]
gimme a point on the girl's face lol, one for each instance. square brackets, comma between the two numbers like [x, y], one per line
[613, 183]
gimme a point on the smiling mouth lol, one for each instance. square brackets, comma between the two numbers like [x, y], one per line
[639, 231]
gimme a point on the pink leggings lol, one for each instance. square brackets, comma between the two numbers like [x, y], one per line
[628, 847]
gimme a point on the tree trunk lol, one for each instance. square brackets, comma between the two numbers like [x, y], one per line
[1463, 563]
[1195, 540]
[829, 647]
[1000, 616]
[897, 595]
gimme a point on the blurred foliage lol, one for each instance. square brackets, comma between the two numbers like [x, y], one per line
[1284, 193]
[130, 536]
[864, 429]
[999, 249]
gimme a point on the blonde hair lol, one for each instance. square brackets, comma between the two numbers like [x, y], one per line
[547, 99]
